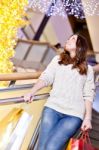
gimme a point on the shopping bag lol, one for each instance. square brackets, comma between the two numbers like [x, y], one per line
[82, 143]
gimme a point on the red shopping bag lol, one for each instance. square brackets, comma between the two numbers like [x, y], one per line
[82, 143]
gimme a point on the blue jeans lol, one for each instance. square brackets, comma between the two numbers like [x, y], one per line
[56, 129]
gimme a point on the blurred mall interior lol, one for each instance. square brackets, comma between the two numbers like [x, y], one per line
[38, 42]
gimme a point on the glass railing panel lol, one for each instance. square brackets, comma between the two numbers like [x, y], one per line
[34, 109]
[21, 50]
[49, 55]
[36, 53]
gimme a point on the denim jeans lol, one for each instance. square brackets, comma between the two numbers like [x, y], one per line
[56, 129]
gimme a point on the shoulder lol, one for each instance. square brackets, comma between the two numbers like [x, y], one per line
[90, 68]
[90, 71]
[56, 58]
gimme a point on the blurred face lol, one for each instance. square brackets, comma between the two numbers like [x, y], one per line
[71, 44]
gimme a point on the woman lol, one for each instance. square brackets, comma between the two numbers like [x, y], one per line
[69, 105]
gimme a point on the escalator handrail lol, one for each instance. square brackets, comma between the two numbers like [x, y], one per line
[20, 76]
[8, 101]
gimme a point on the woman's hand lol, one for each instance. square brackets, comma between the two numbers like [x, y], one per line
[28, 97]
[86, 125]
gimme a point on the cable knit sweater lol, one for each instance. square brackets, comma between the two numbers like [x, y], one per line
[70, 89]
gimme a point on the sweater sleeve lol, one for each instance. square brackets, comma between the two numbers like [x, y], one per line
[49, 73]
[89, 87]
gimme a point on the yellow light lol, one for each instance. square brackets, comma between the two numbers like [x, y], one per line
[11, 18]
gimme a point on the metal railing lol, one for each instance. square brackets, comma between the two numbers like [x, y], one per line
[9, 101]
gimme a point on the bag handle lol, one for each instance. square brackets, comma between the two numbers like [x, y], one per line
[87, 138]
[84, 135]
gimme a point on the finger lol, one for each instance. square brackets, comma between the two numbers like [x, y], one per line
[26, 99]
[83, 127]
[31, 98]
[86, 128]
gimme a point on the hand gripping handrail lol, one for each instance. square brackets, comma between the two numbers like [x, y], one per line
[15, 100]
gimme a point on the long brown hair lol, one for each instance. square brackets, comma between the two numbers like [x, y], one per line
[79, 61]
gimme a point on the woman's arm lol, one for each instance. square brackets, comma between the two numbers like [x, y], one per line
[40, 84]
[46, 78]
[88, 115]
[30, 96]
[88, 107]
[88, 94]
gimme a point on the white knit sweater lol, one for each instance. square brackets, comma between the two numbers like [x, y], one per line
[69, 88]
